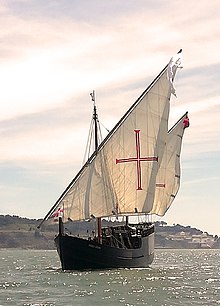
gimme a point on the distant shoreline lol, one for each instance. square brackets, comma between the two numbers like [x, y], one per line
[22, 233]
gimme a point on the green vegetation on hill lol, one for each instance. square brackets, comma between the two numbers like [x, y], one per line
[17, 232]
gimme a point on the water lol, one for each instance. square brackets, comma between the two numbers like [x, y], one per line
[177, 277]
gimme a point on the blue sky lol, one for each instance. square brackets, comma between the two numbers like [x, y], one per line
[54, 53]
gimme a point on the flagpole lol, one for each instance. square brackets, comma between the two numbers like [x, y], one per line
[95, 119]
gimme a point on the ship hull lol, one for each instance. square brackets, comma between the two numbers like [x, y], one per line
[77, 254]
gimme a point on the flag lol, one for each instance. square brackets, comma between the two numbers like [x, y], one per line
[56, 214]
[174, 63]
[186, 122]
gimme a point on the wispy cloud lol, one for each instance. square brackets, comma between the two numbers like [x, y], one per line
[54, 53]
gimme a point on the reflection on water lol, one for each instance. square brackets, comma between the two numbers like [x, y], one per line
[177, 277]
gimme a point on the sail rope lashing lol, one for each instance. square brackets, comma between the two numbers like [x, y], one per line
[89, 143]
[107, 130]
[100, 138]
[95, 133]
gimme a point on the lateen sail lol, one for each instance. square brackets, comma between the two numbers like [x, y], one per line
[168, 177]
[120, 177]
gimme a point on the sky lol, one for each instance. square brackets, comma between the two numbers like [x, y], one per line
[54, 53]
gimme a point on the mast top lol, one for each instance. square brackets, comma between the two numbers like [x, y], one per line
[92, 94]
[95, 119]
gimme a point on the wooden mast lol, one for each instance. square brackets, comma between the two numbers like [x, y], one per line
[95, 119]
[96, 144]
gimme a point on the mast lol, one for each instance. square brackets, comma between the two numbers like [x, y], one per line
[95, 119]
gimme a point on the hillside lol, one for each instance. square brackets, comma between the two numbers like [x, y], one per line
[17, 232]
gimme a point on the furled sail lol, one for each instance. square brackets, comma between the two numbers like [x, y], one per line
[120, 177]
[168, 177]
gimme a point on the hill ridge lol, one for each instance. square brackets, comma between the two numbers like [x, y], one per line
[22, 232]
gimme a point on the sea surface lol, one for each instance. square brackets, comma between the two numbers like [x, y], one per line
[177, 277]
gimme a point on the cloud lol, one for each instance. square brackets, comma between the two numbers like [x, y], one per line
[54, 53]
[42, 66]
[45, 136]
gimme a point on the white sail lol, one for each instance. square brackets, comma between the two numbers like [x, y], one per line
[168, 177]
[120, 177]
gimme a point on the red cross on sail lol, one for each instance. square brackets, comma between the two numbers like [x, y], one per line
[138, 159]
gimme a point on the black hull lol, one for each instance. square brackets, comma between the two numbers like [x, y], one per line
[77, 254]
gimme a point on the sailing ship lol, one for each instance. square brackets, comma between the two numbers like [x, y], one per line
[133, 173]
